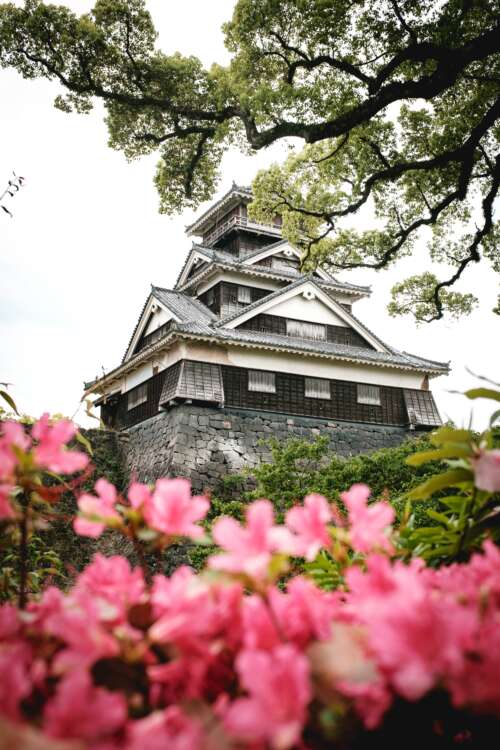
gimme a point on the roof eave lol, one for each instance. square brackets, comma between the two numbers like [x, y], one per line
[357, 293]
[175, 335]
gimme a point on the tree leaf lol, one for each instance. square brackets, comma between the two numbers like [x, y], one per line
[489, 393]
[440, 482]
[6, 397]
[451, 450]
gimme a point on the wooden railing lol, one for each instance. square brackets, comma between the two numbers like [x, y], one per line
[239, 221]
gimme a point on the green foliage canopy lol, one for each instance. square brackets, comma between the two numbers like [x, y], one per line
[397, 102]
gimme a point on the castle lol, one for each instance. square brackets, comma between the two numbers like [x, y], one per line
[246, 347]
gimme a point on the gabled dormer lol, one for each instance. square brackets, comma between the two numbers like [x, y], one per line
[304, 311]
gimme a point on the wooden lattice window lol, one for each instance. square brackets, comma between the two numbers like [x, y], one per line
[317, 388]
[368, 394]
[301, 329]
[264, 382]
[421, 408]
[244, 295]
[137, 396]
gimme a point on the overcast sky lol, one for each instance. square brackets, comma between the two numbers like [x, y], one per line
[86, 242]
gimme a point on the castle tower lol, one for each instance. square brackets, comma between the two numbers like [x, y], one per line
[247, 347]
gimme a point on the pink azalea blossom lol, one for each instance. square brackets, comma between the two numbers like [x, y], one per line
[303, 612]
[279, 691]
[113, 584]
[415, 636]
[97, 509]
[81, 711]
[139, 495]
[171, 729]
[309, 524]
[9, 621]
[368, 523]
[51, 451]
[15, 683]
[13, 435]
[486, 467]
[249, 549]
[6, 509]
[173, 511]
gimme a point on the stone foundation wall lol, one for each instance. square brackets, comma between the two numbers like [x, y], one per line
[205, 443]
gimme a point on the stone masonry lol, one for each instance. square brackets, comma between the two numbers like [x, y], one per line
[207, 443]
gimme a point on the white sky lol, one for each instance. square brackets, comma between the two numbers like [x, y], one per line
[86, 241]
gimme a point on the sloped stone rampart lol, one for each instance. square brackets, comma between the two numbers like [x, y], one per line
[205, 444]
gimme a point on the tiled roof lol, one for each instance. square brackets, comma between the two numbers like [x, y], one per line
[197, 320]
[340, 351]
[229, 262]
[183, 306]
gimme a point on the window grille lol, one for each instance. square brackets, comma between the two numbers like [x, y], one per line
[421, 408]
[265, 382]
[302, 330]
[137, 396]
[244, 295]
[368, 394]
[210, 297]
[317, 388]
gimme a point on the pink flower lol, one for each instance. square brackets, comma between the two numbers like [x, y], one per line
[10, 622]
[172, 510]
[113, 584]
[139, 495]
[368, 523]
[51, 451]
[170, 729]
[303, 612]
[249, 549]
[15, 684]
[96, 510]
[309, 525]
[279, 691]
[415, 636]
[487, 470]
[6, 509]
[81, 711]
[13, 436]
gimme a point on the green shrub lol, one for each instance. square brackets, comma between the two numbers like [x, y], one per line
[300, 467]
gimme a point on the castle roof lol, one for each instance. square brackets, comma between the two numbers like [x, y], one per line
[193, 320]
[220, 260]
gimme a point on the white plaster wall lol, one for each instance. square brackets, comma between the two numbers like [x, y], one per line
[137, 377]
[299, 364]
[314, 311]
[321, 368]
[276, 362]
[160, 317]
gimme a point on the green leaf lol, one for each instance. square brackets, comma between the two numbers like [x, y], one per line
[147, 535]
[454, 502]
[440, 482]
[85, 442]
[489, 393]
[447, 434]
[6, 397]
[495, 417]
[451, 450]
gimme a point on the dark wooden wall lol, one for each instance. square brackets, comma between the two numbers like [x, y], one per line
[277, 324]
[290, 398]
